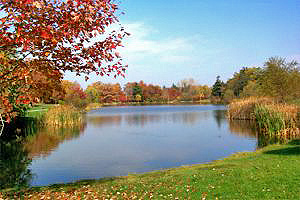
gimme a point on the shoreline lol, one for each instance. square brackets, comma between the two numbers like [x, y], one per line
[256, 173]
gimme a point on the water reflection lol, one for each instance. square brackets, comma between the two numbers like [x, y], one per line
[265, 140]
[142, 120]
[14, 162]
[219, 116]
[244, 128]
[22, 142]
[14, 158]
[49, 138]
[102, 121]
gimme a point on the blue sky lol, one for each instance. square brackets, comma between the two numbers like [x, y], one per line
[172, 40]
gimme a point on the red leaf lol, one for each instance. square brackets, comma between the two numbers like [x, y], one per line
[45, 35]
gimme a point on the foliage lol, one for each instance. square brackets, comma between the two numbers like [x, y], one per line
[14, 96]
[228, 96]
[171, 94]
[74, 94]
[251, 89]
[186, 90]
[217, 88]
[280, 78]
[134, 91]
[54, 36]
[269, 173]
[104, 92]
[241, 79]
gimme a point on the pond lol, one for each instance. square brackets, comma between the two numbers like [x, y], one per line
[116, 141]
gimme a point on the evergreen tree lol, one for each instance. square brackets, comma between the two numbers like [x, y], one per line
[217, 88]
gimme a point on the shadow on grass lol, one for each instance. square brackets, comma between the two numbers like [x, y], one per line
[294, 142]
[286, 151]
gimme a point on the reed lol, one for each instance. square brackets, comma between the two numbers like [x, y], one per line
[271, 117]
[243, 109]
[63, 115]
[275, 118]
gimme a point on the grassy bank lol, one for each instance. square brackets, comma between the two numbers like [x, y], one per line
[269, 173]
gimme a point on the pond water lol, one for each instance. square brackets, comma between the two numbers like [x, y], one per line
[116, 141]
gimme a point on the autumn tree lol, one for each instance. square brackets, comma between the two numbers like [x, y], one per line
[74, 94]
[171, 94]
[93, 93]
[201, 92]
[46, 86]
[60, 35]
[133, 91]
[99, 92]
[148, 92]
[24, 87]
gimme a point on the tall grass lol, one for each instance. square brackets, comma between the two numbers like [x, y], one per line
[271, 117]
[63, 115]
[243, 109]
[275, 118]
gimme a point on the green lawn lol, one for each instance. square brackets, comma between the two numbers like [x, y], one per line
[270, 173]
[37, 111]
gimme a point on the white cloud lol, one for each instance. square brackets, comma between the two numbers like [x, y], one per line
[142, 44]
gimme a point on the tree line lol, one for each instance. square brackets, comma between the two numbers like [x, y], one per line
[278, 78]
[132, 92]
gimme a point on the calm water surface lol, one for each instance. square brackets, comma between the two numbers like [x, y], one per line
[120, 140]
[116, 141]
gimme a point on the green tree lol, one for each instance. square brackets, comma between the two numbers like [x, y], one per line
[280, 78]
[218, 88]
[241, 79]
[251, 89]
[137, 92]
